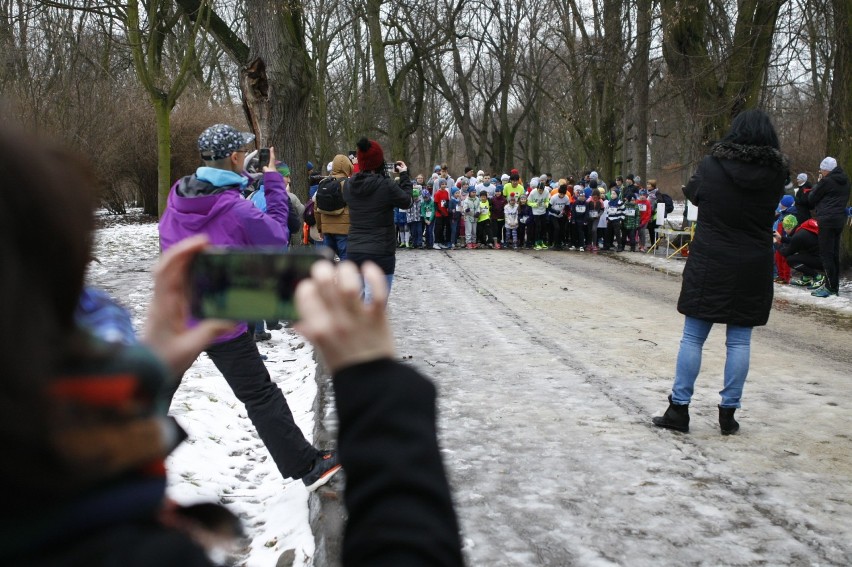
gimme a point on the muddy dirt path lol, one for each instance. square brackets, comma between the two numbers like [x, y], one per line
[549, 367]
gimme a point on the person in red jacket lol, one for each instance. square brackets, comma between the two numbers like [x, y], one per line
[646, 211]
[442, 216]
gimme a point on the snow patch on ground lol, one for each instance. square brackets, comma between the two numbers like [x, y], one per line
[223, 460]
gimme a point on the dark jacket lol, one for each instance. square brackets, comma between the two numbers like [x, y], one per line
[803, 208]
[728, 276]
[829, 199]
[400, 509]
[805, 240]
[371, 198]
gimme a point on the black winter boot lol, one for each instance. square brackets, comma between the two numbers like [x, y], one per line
[727, 422]
[676, 417]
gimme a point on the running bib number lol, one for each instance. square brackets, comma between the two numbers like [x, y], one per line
[630, 212]
[593, 214]
[643, 207]
[612, 211]
[580, 208]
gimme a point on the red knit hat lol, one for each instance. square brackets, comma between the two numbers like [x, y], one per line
[370, 155]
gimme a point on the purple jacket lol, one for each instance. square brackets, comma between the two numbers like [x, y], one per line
[209, 202]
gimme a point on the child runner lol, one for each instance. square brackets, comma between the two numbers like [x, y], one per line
[511, 215]
[579, 214]
[538, 200]
[557, 210]
[614, 216]
[498, 203]
[525, 228]
[646, 211]
[483, 223]
[427, 213]
[470, 209]
[415, 224]
[455, 217]
[631, 222]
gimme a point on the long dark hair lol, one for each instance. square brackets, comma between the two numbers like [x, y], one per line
[46, 221]
[752, 128]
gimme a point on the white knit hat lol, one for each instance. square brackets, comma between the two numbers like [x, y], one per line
[801, 178]
[828, 164]
[505, 177]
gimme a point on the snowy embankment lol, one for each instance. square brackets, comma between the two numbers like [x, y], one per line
[223, 460]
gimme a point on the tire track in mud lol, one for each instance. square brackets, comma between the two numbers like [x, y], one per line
[542, 322]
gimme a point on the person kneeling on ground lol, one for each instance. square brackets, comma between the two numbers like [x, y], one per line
[801, 250]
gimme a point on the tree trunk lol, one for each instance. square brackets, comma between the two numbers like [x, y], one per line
[840, 106]
[715, 91]
[641, 86]
[163, 114]
[277, 83]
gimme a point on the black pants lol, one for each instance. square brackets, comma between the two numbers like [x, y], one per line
[613, 233]
[805, 263]
[580, 231]
[629, 238]
[483, 231]
[540, 222]
[557, 225]
[829, 253]
[239, 362]
[442, 230]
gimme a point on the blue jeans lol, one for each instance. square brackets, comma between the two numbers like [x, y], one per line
[738, 343]
[368, 293]
[454, 231]
[336, 242]
[416, 228]
[430, 234]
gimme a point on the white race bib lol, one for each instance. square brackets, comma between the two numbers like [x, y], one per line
[580, 208]
[594, 214]
[612, 211]
[643, 207]
[630, 212]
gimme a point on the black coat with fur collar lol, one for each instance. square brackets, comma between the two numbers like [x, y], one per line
[728, 276]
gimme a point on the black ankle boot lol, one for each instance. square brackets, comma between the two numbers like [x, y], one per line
[676, 417]
[727, 422]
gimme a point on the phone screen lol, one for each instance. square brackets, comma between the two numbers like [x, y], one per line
[249, 285]
[263, 157]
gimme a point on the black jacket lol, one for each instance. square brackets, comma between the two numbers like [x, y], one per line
[728, 276]
[803, 241]
[397, 495]
[803, 208]
[829, 199]
[371, 198]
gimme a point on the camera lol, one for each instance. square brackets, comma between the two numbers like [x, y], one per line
[263, 158]
[249, 284]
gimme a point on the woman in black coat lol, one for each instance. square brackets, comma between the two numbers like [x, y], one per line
[728, 277]
[372, 196]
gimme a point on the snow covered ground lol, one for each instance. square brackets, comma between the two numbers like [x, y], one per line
[546, 435]
[223, 460]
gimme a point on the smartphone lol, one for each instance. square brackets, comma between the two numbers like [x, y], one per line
[352, 155]
[249, 284]
[263, 157]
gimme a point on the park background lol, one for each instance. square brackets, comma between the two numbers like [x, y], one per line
[560, 86]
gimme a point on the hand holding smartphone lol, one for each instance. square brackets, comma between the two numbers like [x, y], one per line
[249, 284]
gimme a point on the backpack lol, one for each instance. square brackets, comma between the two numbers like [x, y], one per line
[308, 215]
[329, 195]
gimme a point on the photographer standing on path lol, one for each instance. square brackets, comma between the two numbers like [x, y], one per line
[209, 202]
[728, 277]
[372, 196]
[828, 201]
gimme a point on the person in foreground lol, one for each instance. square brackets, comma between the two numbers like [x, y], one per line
[728, 277]
[397, 495]
[84, 421]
